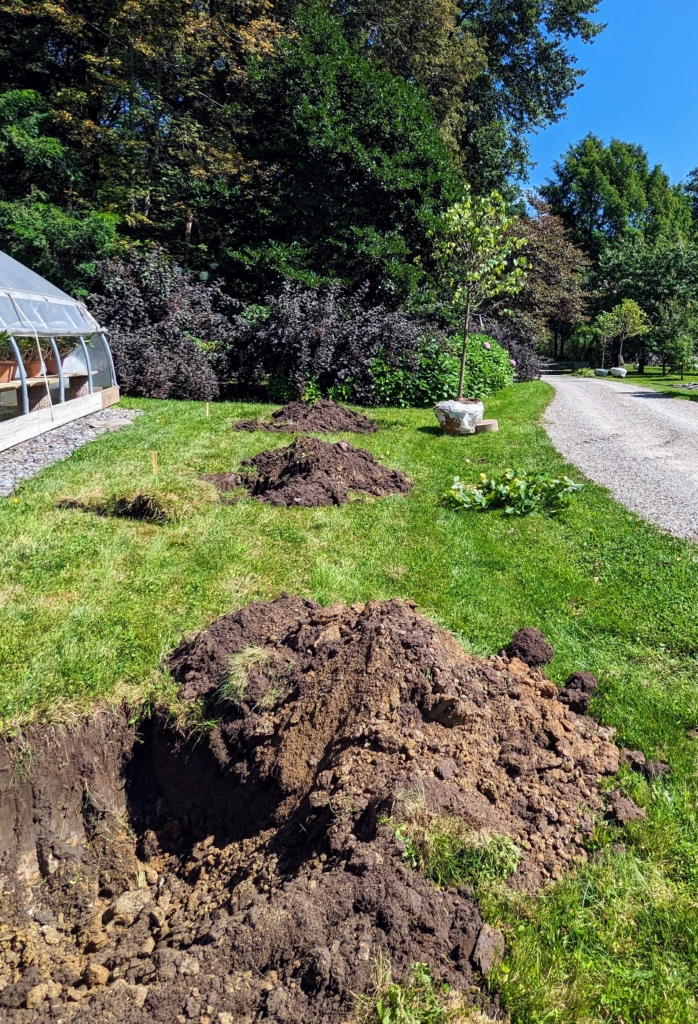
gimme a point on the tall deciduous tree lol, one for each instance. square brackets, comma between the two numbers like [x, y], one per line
[493, 70]
[606, 193]
[553, 298]
[476, 252]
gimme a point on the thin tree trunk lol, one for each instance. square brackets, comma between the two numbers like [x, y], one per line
[464, 354]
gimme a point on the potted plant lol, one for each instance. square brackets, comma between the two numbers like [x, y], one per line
[34, 355]
[65, 346]
[8, 363]
[475, 249]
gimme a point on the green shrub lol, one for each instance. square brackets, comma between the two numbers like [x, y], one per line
[584, 371]
[436, 377]
[517, 492]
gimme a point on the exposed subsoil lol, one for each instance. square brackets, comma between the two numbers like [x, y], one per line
[321, 417]
[311, 472]
[244, 874]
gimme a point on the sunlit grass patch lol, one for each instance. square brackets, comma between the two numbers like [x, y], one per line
[419, 1000]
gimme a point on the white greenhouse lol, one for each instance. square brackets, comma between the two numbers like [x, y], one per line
[55, 362]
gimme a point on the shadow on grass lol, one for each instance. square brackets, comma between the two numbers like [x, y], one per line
[432, 430]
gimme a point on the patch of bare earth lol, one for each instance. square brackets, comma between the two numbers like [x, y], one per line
[311, 472]
[321, 417]
[246, 873]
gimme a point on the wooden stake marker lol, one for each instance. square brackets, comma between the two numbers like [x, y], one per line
[154, 457]
[208, 408]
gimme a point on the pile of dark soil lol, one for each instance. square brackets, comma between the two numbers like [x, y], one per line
[311, 472]
[261, 882]
[321, 417]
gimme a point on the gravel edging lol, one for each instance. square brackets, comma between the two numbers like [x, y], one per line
[29, 457]
[639, 443]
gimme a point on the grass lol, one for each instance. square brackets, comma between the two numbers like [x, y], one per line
[419, 1000]
[90, 604]
[447, 851]
[668, 384]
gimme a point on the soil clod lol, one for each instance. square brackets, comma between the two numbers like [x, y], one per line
[311, 472]
[321, 417]
[530, 646]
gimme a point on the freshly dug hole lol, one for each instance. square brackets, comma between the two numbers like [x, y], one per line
[311, 472]
[258, 879]
[158, 504]
[321, 417]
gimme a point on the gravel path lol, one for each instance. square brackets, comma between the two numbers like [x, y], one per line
[639, 443]
[30, 457]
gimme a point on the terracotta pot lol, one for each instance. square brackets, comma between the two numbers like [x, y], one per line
[8, 368]
[33, 369]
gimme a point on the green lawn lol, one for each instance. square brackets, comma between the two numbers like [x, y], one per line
[669, 383]
[89, 605]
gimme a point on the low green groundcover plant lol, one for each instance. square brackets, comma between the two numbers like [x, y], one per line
[584, 371]
[517, 492]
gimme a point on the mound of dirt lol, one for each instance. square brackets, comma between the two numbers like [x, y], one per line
[311, 472]
[321, 417]
[258, 878]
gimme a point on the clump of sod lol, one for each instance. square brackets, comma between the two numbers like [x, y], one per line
[419, 1000]
[447, 850]
[167, 499]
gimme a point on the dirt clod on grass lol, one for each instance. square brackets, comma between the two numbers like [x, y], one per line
[531, 647]
[311, 472]
[321, 417]
[253, 870]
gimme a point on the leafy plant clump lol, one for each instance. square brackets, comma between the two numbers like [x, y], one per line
[584, 371]
[419, 1000]
[435, 378]
[449, 852]
[517, 492]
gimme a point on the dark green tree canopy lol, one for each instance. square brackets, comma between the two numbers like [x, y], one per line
[606, 193]
[349, 169]
[492, 69]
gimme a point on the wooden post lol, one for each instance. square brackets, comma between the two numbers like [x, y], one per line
[154, 457]
[208, 408]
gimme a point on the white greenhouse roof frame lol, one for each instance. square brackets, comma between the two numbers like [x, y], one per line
[31, 306]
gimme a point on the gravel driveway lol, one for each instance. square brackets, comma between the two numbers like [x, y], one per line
[639, 443]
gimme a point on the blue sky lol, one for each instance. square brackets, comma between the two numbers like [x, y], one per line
[641, 86]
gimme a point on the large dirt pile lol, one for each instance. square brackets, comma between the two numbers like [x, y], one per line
[321, 417]
[257, 879]
[311, 472]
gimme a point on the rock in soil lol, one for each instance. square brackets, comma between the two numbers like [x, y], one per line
[257, 877]
[321, 417]
[311, 472]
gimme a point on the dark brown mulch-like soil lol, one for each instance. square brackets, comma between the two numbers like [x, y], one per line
[321, 417]
[257, 880]
[312, 472]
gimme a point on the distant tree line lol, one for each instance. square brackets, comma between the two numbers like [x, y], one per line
[244, 151]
